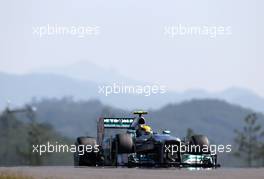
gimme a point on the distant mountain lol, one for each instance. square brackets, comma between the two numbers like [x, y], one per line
[243, 97]
[87, 71]
[233, 95]
[20, 89]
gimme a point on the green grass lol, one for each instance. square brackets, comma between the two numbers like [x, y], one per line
[12, 175]
[18, 175]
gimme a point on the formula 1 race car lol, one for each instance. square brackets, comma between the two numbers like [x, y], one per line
[130, 142]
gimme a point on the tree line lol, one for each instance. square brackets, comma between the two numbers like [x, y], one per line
[18, 137]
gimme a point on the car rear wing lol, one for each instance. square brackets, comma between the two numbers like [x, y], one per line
[118, 122]
[113, 123]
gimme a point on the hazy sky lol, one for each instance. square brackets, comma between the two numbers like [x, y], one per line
[132, 40]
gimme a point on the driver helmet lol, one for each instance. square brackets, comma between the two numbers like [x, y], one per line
[141, 121]
[146, 129]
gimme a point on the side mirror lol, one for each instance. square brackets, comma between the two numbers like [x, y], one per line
[166, 132]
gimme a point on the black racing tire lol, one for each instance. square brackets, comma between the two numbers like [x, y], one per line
[202, 141]
[85, 158]
[125, 144]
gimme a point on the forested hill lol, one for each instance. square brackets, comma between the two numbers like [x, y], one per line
[215, 118]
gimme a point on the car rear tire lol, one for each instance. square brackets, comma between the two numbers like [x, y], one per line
[125, 144]
[85, 158]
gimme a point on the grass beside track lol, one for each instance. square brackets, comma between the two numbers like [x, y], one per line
[19, 175]
[13, 175]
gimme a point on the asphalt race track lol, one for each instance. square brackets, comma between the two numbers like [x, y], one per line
[132, 173]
